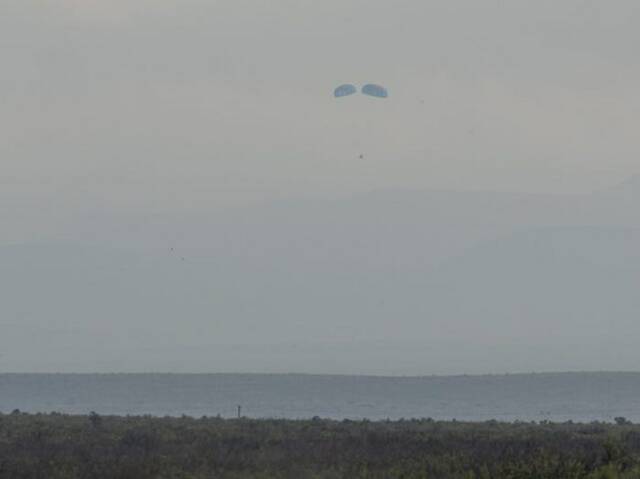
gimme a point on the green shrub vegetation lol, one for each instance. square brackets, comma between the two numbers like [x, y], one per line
[55, 446]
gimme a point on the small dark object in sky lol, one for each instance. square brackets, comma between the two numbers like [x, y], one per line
[375, 90]
[344, 90]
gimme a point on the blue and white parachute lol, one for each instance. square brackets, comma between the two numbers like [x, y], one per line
[344, 90]
[375, 90]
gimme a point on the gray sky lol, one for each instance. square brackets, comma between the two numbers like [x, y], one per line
[151, 124]
[142, 102]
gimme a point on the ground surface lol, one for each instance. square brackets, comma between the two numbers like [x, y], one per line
[57, 446]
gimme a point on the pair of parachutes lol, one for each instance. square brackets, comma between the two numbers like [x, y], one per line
[369, 89]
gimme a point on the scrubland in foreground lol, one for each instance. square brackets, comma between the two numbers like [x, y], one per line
[56, 446]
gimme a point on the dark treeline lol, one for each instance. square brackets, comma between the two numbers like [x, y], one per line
[55, 446]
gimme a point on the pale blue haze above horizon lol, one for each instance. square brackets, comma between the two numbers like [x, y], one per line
[181, 191]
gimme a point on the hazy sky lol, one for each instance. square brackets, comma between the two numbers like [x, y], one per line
[129, 119]
[143, 102]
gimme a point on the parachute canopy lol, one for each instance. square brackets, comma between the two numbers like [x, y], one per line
[344, 90]
[375, 90]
